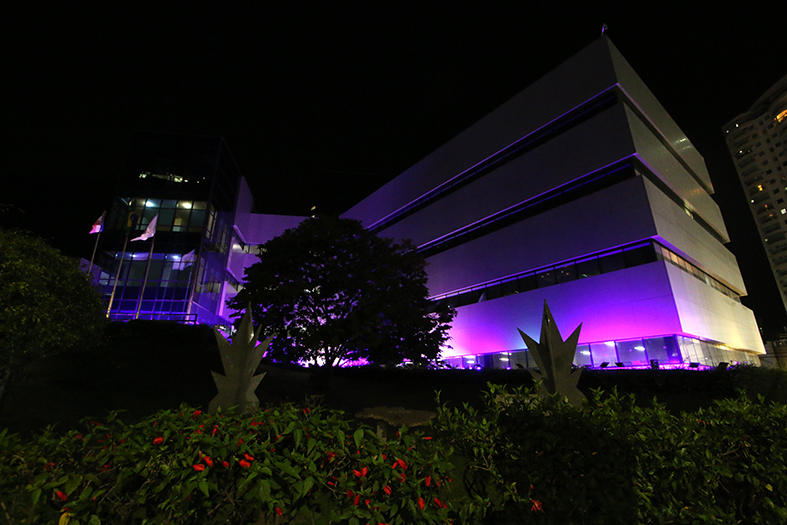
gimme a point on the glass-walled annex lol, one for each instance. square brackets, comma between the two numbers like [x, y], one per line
[673, 351]
[190, 184]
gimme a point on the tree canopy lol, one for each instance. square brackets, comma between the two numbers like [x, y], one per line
[331, 292]
[46, 303]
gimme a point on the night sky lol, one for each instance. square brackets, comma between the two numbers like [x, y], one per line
[322, 103]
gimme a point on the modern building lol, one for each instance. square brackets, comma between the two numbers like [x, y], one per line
[583, 192]
[195, 260]
[580, 191]
[757, 140]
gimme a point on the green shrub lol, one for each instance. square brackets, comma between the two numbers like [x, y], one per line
[281, 464]
[530, 460]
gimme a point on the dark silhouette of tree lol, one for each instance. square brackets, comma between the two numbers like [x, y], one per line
[332, 292]
[47, 304]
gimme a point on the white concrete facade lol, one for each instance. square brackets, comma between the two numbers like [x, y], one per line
[577, 167]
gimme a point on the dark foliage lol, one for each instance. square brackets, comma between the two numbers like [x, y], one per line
[330, 291]
[46, 304]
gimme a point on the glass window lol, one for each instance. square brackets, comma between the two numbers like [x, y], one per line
[181, 220]
[545, 278]
[509, 287]
[582, 357]
[468, 361]
[520, 359]
[612, 262]
[527, 282]
[662, 349]
[197, 220]
[493, 292]
[168, 203]
[639, 255]
[603, 353]
[502, 360]
[632, 353]
[566, 273]
[587, 267]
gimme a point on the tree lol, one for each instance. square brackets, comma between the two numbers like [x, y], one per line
[47, 304]
[332, 292]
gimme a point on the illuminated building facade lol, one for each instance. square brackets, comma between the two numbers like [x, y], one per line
[580, 191]
[757, 140]
[583, 192]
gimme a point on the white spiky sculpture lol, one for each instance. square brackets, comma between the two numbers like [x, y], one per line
[554, 358]
[240, 359]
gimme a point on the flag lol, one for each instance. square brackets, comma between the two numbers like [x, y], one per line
[98, 226]
[185, 261]
[131, 223]
[150, 231]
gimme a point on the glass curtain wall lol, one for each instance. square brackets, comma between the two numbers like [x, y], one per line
[191, 185]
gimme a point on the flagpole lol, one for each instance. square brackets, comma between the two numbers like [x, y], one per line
[114, 287]
[92, 257]
[131, 223]
[95, 246]
[145, 279]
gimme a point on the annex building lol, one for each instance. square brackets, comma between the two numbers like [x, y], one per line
[580, 191]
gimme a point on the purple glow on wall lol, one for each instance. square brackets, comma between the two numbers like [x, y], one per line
[628, 304]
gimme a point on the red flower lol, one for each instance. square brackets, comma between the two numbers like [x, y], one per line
[61, 495]
[361, 473]
[158, 441]
[215, 429]
[250, 458]
[427, 438]
[243, 463]
[402, 480]
[536, 505]
[421, 503]
[387, 490]
[278, 511]
[196, 413]
[199, 467]
[49, 465]
[208, 461]
[440, 504]
[428, 480]
[357, 499]
[225, 464]
[349, 493]
[401, 463]
[306, 410]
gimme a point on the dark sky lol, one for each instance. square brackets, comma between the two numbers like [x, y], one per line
[322, 103]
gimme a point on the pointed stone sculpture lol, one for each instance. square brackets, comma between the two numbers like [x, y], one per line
[555, 358]
[240, 359]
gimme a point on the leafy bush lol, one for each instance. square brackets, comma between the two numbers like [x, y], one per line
[530, 460]
[184, 466]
